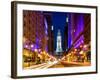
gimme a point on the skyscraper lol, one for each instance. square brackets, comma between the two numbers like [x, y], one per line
[66, 36]
[48, 17]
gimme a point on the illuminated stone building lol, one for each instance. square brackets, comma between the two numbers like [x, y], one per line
[79, 36]
[59, 44]
[50, 30]
[87, 28]
[34, 28]
[79, 29]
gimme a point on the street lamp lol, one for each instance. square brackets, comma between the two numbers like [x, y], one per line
[81, 52]
[35, 50]
[31, 45]
[26, 46]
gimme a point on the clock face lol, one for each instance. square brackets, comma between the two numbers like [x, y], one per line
[59, 40]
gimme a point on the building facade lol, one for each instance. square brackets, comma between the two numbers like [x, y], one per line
[34, 28]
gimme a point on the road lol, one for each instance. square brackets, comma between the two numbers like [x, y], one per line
[70, 64]
[58, 64]
[43, 65]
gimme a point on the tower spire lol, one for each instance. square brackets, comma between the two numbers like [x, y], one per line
[59, 45]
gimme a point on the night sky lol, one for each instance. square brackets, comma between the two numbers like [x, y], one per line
[59, 22]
